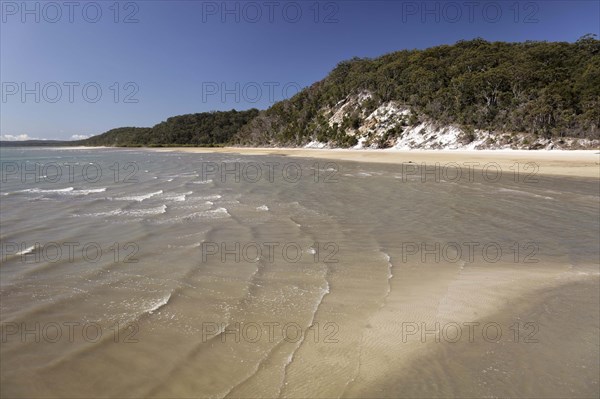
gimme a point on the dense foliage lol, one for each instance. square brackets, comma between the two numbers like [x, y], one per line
[204, 129]
[546, 89]
[35, 143]
[119, 137]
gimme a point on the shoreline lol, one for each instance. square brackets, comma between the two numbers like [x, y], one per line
[567, 163]
[562, 163]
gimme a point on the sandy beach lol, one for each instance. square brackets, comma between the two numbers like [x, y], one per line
[578, 163]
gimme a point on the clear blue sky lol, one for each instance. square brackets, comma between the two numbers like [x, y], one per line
[180, 55]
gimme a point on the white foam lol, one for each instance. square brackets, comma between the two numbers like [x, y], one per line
[89, 191]
[141, 197]
[159, 304]
[210, 197]
[178, 197]
[64, 191]
[220, 211]
[101, 214]
[44, 191]
[262, 208]
[209, 214]
[26, 251]
[145, 212]
[130, 212]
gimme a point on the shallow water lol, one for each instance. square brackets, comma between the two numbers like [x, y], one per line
[192, 275]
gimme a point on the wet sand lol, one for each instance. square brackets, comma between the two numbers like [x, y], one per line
[578, 163]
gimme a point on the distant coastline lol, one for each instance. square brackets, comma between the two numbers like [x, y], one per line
[473, 95]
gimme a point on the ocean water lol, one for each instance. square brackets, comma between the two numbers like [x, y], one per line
[135, 273]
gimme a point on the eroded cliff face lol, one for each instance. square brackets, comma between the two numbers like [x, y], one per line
[393, 125]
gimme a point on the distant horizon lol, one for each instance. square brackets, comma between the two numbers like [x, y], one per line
[67, 80]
